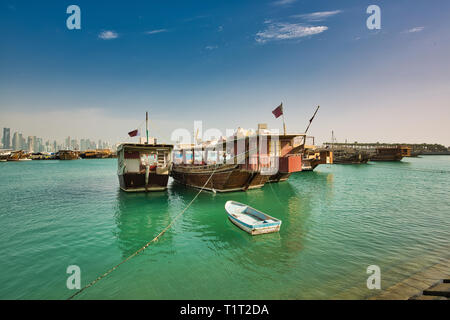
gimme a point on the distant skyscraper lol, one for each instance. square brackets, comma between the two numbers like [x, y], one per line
[82, 144]
[16, 143]
[6, 140]
[74, 144]
[31, 143]
[23, 143]
[39, 147]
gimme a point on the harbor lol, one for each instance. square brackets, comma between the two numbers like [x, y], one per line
[218, 158]
[337, 220]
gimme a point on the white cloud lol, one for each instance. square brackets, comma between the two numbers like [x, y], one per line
[283, 2]
[317, 16]
[284, 31]
[211, 47]
[415, 29]
[108, 35]
[156, 31]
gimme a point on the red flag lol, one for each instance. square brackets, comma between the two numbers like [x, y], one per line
[278, 111]
[133, 133]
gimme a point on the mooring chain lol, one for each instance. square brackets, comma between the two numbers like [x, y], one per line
[146, 245]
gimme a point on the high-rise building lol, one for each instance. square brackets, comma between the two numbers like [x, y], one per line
[16, 143]
[31, 143]
[82, 144]
[39, 147]
[74, 144]
[6, 140]
[23, 143]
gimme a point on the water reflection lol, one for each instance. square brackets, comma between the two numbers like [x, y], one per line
[139, 218]
[204, 229]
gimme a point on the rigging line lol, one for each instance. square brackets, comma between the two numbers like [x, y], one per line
[146, 245]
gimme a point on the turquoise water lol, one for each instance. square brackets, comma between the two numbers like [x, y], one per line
[337, 220]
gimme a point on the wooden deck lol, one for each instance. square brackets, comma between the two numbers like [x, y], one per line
[430, 284]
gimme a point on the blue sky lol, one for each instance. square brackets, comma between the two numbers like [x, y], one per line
[228, 63]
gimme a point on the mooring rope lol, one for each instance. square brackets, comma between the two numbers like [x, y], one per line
[146, 245]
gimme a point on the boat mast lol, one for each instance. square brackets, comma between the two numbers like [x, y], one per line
[146, 124]
[332, 139]
[282, 115]
[310, 120]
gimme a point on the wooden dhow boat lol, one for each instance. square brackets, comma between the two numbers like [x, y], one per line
[251, 220]
[349, 156]
[395, 153]
[225, 166]
[18, 155]
[311, 156]
[143, 167]
[68, 155]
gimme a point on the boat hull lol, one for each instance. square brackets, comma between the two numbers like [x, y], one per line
[223, 179]
[353, 159]
[251, 220]
[279, 177]
[135, 182]
[393, 157]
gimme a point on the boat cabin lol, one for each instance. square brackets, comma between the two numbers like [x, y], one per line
[143, 167]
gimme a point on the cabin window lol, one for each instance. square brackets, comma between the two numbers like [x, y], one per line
[221, 155]
[198, 157]
[132, 165]
[188, 157]
[212, 157]
[177, 157]
[149, 159]
[274, 148]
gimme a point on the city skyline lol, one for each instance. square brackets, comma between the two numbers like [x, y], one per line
[228, 65]
[19, 141]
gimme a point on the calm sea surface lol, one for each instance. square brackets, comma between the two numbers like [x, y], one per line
[337, 221]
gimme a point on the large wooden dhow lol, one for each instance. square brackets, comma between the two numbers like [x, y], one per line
[68, 155]
[346, 155]
[236, 164]
[395, 153]
[376, 151]
[18, 155]
[349, 156]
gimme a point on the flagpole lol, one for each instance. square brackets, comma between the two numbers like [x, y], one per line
[282, 115]
[146, 124]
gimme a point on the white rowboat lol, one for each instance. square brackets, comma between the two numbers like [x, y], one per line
[251, 220]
